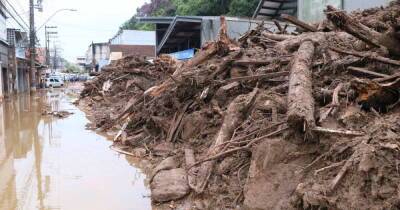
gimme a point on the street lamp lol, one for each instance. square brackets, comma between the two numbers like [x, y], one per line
[54, 14]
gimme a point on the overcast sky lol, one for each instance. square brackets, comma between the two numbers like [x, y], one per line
[95, 20]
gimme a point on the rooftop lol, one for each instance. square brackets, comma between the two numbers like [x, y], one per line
[271, 9]
[134, 37]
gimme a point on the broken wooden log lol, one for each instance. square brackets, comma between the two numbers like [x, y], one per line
[282, 60]
[374, 95]
[121, 151]
[334, 106]
[343, 21]
[299, 23]
[387, 79]
[258, 77]
[223, 44]
[227, 63]
[292, 44]
[236, 114]
[190, 161]
[279, 27]
[338, 132]
[277, 37]
[356, 71]
[176, 124]
[341, 174]
[300, 99]
[369, 55]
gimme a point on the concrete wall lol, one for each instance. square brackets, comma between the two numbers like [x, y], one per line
[102, 54]
[351, 5]
[236, 27]
[313, 10]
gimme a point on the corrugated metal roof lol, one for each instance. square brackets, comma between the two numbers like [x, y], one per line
[270, 9]
[160, 20]
[169, 20]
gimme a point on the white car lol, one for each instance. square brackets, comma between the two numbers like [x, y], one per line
[54, 82]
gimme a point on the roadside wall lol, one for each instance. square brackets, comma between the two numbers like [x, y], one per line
[313, 10]
[236, 27]
[351, 5]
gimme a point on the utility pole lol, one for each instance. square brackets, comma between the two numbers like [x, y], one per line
[32, 40]
[93, 58]
[47, 36]
[46, 45]
[55, 61]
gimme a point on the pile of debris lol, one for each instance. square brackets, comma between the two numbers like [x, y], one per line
[301, 120]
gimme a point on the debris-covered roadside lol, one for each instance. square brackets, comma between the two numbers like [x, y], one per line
[274, 121]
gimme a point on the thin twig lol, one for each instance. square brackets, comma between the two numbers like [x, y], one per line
[246, 147]
[121, 151]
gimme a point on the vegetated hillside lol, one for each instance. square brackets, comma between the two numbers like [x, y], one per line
[241, 8]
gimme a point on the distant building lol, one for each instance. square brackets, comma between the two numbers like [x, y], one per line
[41, 55]
[5, 76]
[97, 56]
[18, 62]
[310, 10]
[81, 62]
[133, 42]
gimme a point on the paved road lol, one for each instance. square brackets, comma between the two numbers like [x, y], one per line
[50, 163]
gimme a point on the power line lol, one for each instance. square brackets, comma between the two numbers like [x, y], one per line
[15, 11]
[23, 11]
[16, 20]
[18, 2]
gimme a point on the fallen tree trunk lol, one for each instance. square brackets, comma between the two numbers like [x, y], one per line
[369, 55]
[277, 37]
[343, 21]
[259, 77]
[388, 79]
[300, 100]
[291, 44]
[236, 114]
[299, 23]
[365, 72]
[226, 63]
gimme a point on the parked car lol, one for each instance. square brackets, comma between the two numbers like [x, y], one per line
[54, 82]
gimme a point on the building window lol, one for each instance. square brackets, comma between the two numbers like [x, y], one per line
[313, 10]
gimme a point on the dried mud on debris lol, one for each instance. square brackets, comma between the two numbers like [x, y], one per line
[57, 114]
[301, 120]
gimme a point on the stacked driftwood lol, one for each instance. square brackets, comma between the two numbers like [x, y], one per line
[333, 86]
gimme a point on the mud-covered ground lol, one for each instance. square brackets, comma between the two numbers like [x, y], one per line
[275, 120]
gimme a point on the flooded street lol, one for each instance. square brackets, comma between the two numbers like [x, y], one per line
[50, 163]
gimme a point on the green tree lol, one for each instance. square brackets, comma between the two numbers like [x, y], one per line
[132, 24]
[71, 67]
[201, 7]
[243, 8]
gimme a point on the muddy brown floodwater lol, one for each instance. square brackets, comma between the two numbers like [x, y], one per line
[49, 163]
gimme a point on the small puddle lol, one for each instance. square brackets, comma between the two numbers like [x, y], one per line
[49, 163]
